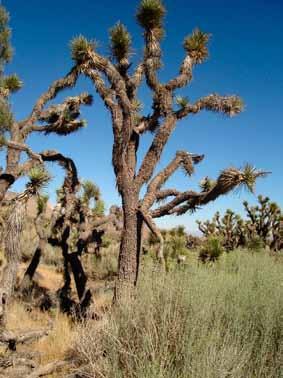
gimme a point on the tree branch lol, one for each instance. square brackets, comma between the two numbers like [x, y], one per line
[228, 180]
[154, 152]
[183, 159]
[102, 64]
[184, 77]
[228, 105]
[68, 81]
[136, 79]
[22, 147]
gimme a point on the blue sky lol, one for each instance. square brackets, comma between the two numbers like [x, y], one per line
[246, 58]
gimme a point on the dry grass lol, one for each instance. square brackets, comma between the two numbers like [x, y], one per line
[223, 320]
[46, 276]
[52, 347]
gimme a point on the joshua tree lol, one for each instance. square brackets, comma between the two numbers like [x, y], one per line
[230, 228]
[117, 83]
[73, 228]
[60, 119]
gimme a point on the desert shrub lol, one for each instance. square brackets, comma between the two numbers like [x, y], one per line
[211, 249]
[202, 322]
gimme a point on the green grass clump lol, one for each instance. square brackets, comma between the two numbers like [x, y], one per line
[224, 320]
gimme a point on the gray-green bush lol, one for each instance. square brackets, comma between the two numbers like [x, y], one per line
[224, 320]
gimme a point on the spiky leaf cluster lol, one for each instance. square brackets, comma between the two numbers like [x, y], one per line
[250, 174]
[80, 47]
[11, 83]
[120, 43]
[150, 14]
[38, 179]
[231, 178]
[196, 45]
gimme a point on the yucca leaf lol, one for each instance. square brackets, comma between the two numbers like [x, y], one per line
[196, 45]
[120, 42]
[80, 46]
[150, 14]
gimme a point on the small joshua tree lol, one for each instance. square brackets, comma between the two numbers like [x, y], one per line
[60, 119]
[117, 82]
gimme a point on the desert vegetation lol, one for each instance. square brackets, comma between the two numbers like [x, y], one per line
[92, 291]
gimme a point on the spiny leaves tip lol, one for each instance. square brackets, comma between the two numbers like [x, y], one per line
[196, 45]
[150, 14]
[39, 177]
[80, 46]
[120, 42]
[250, 175]
[12, 83]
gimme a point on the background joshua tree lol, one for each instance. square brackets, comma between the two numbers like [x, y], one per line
[262, 225]
[117, 82]
[230, 228]
[60, 119]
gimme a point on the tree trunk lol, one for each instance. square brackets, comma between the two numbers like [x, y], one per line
[5, 184]
[8, 177]
[13, 256]
[26, 285]
[129, 256]
[84, 293]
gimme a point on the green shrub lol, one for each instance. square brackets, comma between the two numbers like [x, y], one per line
[211, 250]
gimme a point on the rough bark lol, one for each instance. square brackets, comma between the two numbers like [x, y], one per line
[12, 256]
[130, 247]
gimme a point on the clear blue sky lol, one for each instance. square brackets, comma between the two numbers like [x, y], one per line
[246, 58]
